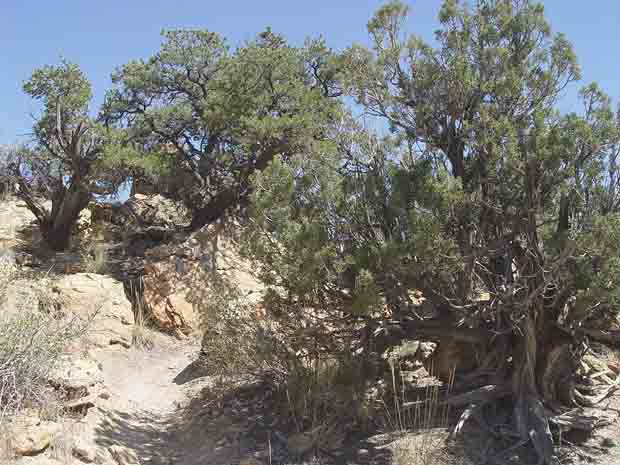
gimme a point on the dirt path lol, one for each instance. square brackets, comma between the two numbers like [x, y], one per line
[155, 410]
[144, 380]
[149, 409]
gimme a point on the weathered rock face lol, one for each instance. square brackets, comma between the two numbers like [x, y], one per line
[13, 217]
[162, 284]
[156, 210]
[141, 211]
[83, 225]
[123, 456]
[84, 450]
[160, 258]
[101, 300]
[171, 269]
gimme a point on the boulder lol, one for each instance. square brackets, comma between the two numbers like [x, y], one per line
[101, 300]
[14, 216]
[83, 225]
[31, 436]
[76, 377]
[425, 350]
[168, 263]
[81, 405]
[160, 284]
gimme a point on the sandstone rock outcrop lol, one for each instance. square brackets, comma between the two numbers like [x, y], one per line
[101, 300]
[170, 269]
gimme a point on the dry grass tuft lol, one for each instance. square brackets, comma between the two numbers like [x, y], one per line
[64, 441]
[316, 392]
[423, 436]
[94, 253]
[140, 339]
[427, 448]
[33, 336]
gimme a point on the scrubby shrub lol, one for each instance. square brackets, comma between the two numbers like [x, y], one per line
[33, 335]
[242, 338]
[237, 338]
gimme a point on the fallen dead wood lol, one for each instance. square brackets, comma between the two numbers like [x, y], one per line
[480, 395]
[436, 330]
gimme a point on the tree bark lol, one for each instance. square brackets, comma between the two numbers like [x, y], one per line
[58, 226]
[214, 210]
[234, 195]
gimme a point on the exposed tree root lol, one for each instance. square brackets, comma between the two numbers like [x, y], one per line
[579, 419]
[580, 381]
[472, 411]
[608, 337]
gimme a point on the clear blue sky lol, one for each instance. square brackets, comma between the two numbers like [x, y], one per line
[103, 34]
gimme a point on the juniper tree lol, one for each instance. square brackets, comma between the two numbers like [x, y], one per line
[223, 115]
[500, 210]
[65, 161]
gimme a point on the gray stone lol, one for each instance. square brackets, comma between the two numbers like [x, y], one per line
[123, 456]
[84, 451]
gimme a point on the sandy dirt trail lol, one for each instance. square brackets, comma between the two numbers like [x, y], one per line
[156, 415]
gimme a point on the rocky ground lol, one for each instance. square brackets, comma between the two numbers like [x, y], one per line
[130, 392]
[134, 395]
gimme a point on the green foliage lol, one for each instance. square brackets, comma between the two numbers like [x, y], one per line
[62, 87]
[483, 196]
[68, 142]
[599, 263]
[481, 186]
[221, 115]
[237, 342]
[66, 162]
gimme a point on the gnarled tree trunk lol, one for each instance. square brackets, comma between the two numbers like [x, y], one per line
[57, 228]
[56, 225]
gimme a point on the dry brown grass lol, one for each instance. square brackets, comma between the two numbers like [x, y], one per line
[33, 335]
[63, 442]
[93, 250]
[140, 339]
[427, 448]
[422, 432]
